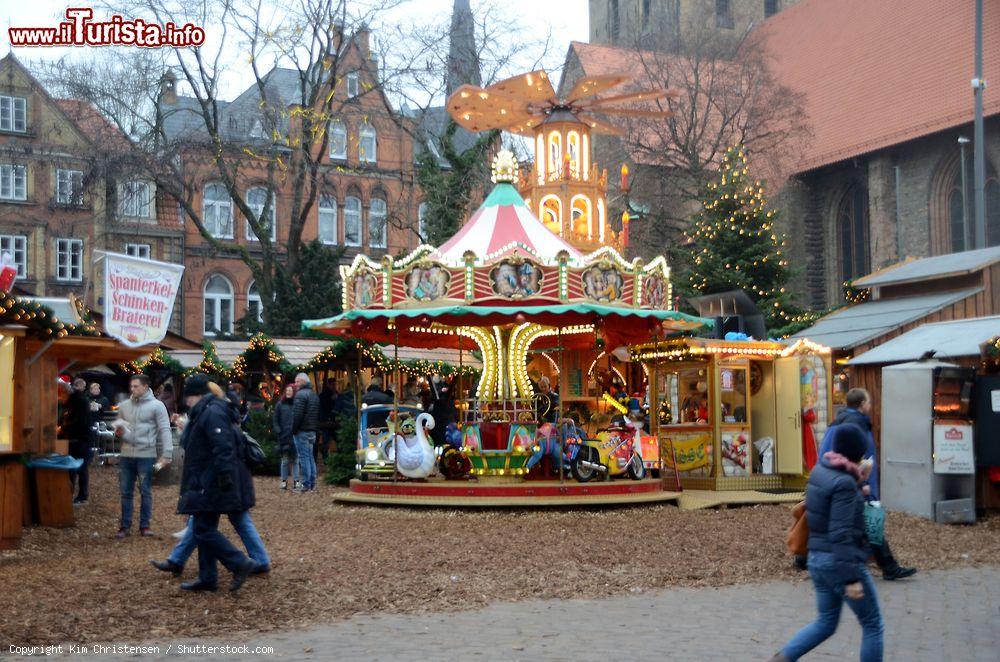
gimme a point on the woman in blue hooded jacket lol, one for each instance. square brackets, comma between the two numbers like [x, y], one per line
[838, 549]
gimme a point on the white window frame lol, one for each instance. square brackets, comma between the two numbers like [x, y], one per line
[17, 246]
[142, 251]
[218, 205]
[13, 114]
[327, 207]
[378, 214]
[13, 181]
[353, 85]
[365, 133]
[69, 260]
[135, 204]
[352, 216]
[422, 221]
[217, 300]
[338, 128]
[258, 209]
[253, 297]
[69, 186]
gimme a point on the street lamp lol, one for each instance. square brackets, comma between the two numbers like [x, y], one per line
[962, 142]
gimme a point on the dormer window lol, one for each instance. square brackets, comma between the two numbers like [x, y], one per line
[353, 86]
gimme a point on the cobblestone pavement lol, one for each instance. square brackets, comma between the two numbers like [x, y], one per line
[936, 616]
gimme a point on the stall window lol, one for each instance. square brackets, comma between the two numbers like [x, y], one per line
[6, 393]
[692, 394]
[733, 395]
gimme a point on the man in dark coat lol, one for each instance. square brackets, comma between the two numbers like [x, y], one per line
[304, 427]
[215, 481]
[858, 412]
[77, 426]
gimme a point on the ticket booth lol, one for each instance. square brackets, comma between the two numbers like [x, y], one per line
[737, 414]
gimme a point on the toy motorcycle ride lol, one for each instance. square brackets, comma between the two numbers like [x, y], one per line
[614, 453]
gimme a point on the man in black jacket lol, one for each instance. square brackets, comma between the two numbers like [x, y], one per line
[304, 426]
[215, 481]
[858, 412]
[76, 426]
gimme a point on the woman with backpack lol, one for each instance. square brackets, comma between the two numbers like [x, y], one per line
[284, 417]
[838, 551]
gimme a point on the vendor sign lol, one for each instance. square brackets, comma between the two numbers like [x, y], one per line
[692, 451]
[953, 452]
[138, 298]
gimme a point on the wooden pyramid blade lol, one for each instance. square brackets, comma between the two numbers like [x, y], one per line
[589, 86]
[532, 88]
[632, 97]
[476, 109]
[599, 126]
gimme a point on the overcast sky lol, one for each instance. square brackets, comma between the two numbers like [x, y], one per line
[567, 20]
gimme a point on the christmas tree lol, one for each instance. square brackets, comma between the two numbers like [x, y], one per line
[732, 244]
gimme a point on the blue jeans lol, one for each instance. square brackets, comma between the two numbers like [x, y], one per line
[212, 547]
[304, 442]
[829, 600]
[290, 467]
[131, 469]
[244, 528]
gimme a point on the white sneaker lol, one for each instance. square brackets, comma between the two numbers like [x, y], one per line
[284, 484]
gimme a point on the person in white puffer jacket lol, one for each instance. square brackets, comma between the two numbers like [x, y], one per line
[143, 426]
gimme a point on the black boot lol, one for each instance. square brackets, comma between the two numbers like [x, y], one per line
[199, 586]
[167, 566]
[241, 574]
[899, 572]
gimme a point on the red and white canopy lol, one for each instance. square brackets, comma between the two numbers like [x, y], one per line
[504, 222]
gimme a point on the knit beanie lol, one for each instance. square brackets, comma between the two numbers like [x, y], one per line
[850, 441]
[196, 385]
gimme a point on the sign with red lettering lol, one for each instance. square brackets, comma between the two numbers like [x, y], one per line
[139, 298]
[952, 448]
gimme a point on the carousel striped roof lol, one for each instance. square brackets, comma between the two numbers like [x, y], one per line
[504, 222]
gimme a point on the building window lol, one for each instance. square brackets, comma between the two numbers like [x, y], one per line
[422, 221]
[255, 308]
[645, 12]
[352, 222]
[69, 259]
[217, 212]
[770, 8]
[327, 219]
[136, 199]
[338, 140]
[992, 212]
[15, 246]
[138, 250]
[218, 305]
[69, 187]
[13, 182]
[257, 200]
[852, 230]
[614, 22]
[13, 114]
[257, 130]
[376, 223]
[961, 214]
[723, 14]
[353, 87]
[367, 144]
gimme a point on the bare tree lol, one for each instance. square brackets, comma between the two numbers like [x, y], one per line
[727, 95]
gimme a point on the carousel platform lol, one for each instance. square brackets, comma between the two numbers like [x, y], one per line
[698, 499]
[495, 494]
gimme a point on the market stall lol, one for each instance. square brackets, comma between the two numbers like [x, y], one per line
[35, 347]
[738, 414]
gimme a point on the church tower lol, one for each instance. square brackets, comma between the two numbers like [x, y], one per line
[463, 58]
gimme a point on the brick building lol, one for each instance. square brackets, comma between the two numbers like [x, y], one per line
[367, 202]
[668, 24]
[60, 200]
[887, 101]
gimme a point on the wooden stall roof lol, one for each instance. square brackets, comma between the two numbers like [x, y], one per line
[90, 350]
[949, 340]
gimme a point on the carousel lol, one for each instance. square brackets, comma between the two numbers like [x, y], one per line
[510, 289]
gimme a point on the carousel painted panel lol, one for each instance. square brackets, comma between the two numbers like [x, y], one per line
[426, 283]
[365, 289]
